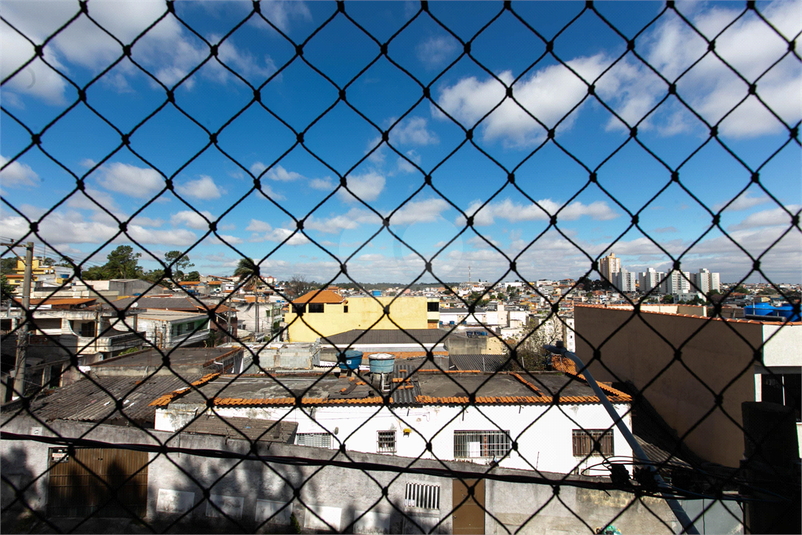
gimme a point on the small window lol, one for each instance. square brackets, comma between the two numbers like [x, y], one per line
[345, 309]
[593, 442]
[386, 442]
[481, 444]
[318, 440]
[316, 308]
[420, 496]
[433, 306]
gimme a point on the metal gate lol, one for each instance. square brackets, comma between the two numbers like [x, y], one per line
[99, 482]
[469, 512]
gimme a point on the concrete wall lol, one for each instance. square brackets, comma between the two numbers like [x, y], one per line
[363, 312]
[783, 345]
[710, 349]
[252, 490]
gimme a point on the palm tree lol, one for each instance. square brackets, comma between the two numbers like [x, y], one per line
[248, 270]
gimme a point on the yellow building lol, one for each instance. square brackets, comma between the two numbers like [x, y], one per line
[326, 313]
[39, 272]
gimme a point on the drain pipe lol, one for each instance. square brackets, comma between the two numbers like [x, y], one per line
[676, 508]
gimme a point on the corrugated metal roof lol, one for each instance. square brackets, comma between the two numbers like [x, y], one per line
[253, 429]
[86, 400]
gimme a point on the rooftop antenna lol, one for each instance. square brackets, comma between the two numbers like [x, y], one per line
[469, 274]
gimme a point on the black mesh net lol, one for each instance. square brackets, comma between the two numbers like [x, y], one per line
[226, 446]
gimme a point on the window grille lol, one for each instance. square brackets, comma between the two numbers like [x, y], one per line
[386, 441]
[432, 306]
[316, 308]
[585, 442]
[318, 440]
[481, 444]
[422, 496]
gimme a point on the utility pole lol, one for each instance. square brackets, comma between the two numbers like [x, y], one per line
[22, 333]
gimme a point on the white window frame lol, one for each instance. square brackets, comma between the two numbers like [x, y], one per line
[382, 446]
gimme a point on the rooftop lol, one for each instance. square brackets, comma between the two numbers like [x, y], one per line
[153, 359]
[388, 336]
[410, 386]
[320, 296]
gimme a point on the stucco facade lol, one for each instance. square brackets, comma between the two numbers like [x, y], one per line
[359, 313]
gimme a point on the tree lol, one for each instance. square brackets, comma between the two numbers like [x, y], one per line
[94, 273]
[179, 261]
[740, 289]
[192, 276]
[530, 352]
[8, 265]
[247, 270]
[298, 286]
[6, 289]
[123, 263]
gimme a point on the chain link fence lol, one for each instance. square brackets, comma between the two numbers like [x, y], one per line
[404, 493]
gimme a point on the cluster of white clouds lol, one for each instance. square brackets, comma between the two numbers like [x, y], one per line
[632, 89]
[168, 49]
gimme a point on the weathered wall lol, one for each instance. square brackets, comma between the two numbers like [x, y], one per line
[252, 491]
[711, 350]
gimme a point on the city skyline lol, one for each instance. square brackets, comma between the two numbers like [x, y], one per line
[214, 187]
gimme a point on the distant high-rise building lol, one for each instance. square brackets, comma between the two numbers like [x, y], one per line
[677, 282]
[705, 281]
[609, 266]
[625, 281]
[649, 280]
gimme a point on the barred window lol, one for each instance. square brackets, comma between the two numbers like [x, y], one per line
[421, 496]
[585, 441]
[386, 441]
[478, 444]
[433, 306]
[318, 440]
[316, 308]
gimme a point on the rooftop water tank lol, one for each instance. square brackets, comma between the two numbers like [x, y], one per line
[353, 359]
[381, 362]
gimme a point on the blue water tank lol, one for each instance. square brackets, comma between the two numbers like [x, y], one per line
[381, 362]
[377, 293]
[353, 359]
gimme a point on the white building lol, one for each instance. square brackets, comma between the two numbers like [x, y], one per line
[705, 281]
[625, 281]
[649, 280]
[609, 266]
[428, 407]
[676, 283]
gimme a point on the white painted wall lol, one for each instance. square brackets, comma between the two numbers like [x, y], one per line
[781, 345]
[545, 445]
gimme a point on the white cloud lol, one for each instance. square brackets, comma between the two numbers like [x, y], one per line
[775, 217]
[130, 180]
[203, 188]
[168, 50]
[258, 226]
[347, 221]
[281, 234]
[508, 210]
[190, 219]
[710, 87]
[744, 202]
[426, 211]
[436, 51]
[70, 228]
[548, 94]
[406, 167]
[17, 174]
[105, 199]
[413, 131]
[282, 175]
[257, 168]
[367, 186]
[325, 183]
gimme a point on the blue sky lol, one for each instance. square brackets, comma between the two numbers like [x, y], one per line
[215, 183]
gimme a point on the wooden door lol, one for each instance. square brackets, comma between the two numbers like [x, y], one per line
[469, 517]
[81, 484]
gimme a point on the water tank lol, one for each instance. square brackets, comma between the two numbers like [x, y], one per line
[376, 293]
[381, 362]
[353, 359]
